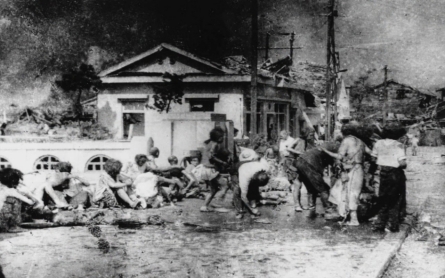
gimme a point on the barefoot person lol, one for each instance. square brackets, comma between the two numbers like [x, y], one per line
[112, 182]
[351, 154]
[246, 194]
[389, 155]
[310, 166]
[209, 163]
[68, 187]
[290, 149]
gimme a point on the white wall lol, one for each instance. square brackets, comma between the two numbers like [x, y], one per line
[24, 155]
[194, 126]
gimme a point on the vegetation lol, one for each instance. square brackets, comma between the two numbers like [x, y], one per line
[170, 92]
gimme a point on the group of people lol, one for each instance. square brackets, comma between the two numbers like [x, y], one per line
[142, 184]
[362, 159]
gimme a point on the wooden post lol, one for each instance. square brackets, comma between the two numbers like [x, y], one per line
[254, 62]
[230, 140]
[291, 41]
[328, 69]
[385, 92]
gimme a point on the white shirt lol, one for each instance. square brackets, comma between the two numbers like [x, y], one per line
[388, 152]
[145, 185]
[246, 172]
[285, 144]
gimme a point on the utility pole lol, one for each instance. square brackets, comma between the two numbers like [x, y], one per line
[254, 72]
[385, 92]
[329, 55]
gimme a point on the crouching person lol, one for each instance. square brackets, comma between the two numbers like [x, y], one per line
[389, 155]
[246, 193]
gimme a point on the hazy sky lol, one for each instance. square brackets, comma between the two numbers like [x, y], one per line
[406, 35]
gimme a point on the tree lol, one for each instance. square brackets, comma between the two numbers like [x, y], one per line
[79, 80]
[170, 92]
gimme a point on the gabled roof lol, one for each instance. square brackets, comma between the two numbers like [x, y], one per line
[162, 47]
[393, 82]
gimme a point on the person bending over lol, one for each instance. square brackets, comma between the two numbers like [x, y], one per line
[310, 166]
[246, 195]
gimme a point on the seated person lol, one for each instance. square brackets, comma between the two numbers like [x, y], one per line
[9, 181]
[195, 185]
[139, 167]
[112, 182]
[68, 187]
[171, 178]
[153, 155]
[148, 187]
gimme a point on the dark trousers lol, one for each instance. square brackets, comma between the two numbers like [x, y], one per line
[252, 194]
[392, 194]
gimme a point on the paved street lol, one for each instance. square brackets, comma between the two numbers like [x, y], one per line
[292, 246]
[426, 185]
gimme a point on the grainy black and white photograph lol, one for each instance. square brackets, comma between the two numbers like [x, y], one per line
[222, 138]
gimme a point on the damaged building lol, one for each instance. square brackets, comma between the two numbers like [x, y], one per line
[209, 88]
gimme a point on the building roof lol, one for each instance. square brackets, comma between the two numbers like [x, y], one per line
[144, 68]
[393, 82]
[162, 47]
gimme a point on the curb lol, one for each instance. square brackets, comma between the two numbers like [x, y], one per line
[382, 255]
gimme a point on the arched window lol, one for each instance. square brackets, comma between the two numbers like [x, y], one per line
[46, 162]
[96, 163]
[4, 163]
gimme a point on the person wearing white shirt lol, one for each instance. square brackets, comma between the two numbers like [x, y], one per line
[246, 194]
[389, 155]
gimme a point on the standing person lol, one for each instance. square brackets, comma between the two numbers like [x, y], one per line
[209, 163]
[310, 166]
[290, 149]
[390, 157]
[414, 144]
[352, 155]
[246, 194]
